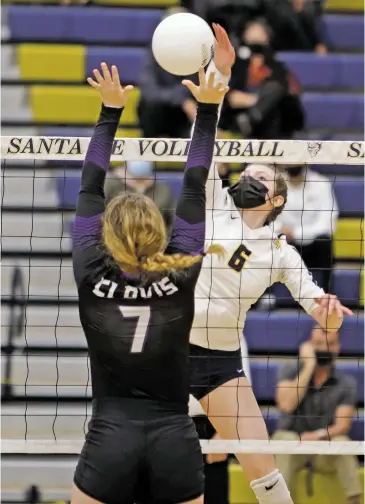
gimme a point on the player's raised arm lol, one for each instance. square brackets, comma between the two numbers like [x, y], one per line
[224, 58]
[91, 202]
[189, 227]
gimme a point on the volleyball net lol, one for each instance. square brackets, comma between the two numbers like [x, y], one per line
[46, 381]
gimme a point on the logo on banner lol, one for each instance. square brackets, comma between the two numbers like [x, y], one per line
[314, 148]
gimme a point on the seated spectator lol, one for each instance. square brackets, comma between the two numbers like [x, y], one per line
[138, 177]
[231, 14]
[263, 101]
[296, 25]
[166, 108]
[317, 402]
[309, 220]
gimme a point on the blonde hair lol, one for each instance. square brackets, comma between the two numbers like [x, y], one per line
[134, 234]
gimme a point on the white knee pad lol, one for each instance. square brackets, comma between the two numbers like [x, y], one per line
[271, 489]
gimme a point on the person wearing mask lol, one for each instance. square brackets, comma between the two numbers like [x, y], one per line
[264, 97]
[138, 177]
[317, 402]
[309, 220]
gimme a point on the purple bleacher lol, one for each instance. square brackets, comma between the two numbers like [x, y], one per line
[264, 377]
[344, 31]
[331, 72]
[284, 331]
[333, 169]
[128, 60]
[345, 284]
[80, 24]
[334, 110]
[356, 432]
[349, 193]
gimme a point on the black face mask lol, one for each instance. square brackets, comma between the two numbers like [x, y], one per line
[248, 193]
[295, 171]
[258, 48]
[324, 358]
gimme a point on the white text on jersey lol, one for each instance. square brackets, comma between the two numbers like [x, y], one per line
[164, 287]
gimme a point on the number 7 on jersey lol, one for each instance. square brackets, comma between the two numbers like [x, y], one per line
[143, 314]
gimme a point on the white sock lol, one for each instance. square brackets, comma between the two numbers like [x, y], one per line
[271, 489]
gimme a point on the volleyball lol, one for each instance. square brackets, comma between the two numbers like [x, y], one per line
[182, 43]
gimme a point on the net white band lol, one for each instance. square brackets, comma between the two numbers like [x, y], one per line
[51, 447]
[166, 149]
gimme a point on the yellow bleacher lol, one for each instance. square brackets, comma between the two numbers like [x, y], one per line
[51, 62]
[349, 239]
[327, 488]
[345, 5]
[126, 3]
[74, 105]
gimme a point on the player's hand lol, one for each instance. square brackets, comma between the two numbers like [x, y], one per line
[207, 91]
[224, 53]
[330, 304]
[330, 312]
[307, 354]
[111, 92]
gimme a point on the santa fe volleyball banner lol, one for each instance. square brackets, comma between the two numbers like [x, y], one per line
[159, 149]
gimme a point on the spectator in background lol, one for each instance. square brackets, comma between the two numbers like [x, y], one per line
[263, 101]
[166, 108]
[309, 220]
[317, 402]
[296, 25]
[231, 14]
[138, 177]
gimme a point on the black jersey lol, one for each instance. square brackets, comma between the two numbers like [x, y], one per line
[138, 332]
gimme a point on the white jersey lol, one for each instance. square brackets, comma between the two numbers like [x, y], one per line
[256, 259]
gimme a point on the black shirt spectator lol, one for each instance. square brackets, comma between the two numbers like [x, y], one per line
[264, 98]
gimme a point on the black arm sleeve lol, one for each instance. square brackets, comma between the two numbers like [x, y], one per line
[91, 202]
[188, 234]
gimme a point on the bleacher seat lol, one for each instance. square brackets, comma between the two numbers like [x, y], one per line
[78, 104]
[334, 71]
[49, 62]
[264, 377]
[345, 284]
[336, 110]
[284, 331]
[349, 191]
[343, 32]
[349, 239]
[77, 24]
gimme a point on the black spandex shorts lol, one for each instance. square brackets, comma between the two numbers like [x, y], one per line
[209, 369]
[135, 453]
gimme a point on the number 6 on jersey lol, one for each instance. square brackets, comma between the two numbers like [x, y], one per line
[142, 313]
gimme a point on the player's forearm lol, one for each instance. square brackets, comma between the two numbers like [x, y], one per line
[289, 398]
[202, 143]
[101, 144]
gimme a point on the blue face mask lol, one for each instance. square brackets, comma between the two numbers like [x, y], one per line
[139, 169]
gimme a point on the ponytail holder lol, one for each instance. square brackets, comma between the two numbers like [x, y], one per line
[203, 254]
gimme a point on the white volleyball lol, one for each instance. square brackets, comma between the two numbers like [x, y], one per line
[182, 43]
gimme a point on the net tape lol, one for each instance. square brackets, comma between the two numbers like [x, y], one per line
[70, 447]
[175, 150]
[160, 149]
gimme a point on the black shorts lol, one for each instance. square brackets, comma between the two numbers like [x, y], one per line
[209, 369]
[134, 453]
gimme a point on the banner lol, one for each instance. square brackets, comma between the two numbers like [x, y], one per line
[162, 149]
